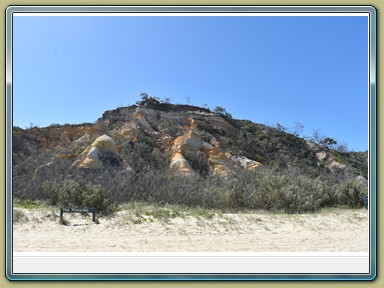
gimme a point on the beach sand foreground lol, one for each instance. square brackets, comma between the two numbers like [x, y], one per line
[332, 230]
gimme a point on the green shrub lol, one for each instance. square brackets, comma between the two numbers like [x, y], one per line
[69, 194]
[237, 196]
[51, 190]
[93, 197]
[258, 158]
[289, 192]
[351, 193]
[75, 194]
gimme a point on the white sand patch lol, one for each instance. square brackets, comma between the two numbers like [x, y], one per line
[333, 230]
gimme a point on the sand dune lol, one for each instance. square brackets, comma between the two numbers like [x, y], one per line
[331, 230]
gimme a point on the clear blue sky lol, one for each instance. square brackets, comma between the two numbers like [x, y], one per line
[312, 70]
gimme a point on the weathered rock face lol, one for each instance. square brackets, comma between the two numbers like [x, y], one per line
[101, 153]
[321, 155]
[247, 163]
[218, 162]
[329, 161]
[191, 140]
[362, 180]
[180, 166]
[31, 140]
[335, 165]
[187, 143]
[190, 143]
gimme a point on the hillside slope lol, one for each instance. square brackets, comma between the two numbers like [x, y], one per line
[182, 154]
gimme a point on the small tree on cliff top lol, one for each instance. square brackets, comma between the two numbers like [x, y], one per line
[147, 100]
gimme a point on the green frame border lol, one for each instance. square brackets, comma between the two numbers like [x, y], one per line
[373, 103]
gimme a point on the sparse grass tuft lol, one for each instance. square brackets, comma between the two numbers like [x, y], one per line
[29, 204]
[18, 216]
[141, 212]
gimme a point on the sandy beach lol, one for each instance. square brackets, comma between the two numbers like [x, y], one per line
[330, 230]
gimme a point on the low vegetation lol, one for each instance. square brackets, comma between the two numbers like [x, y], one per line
[271, 188]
